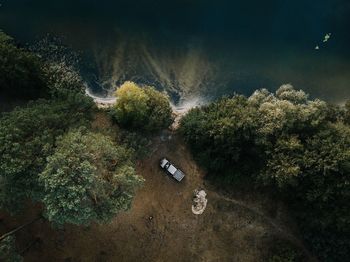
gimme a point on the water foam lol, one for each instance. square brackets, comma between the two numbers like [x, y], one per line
[183, 72]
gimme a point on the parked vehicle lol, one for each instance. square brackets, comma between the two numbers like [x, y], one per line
[171, 169]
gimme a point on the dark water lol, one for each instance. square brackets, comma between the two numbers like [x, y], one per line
[199, 48]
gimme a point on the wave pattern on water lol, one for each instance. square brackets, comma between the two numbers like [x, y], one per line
[186, 73]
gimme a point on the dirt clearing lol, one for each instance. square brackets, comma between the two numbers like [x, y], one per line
[161, 226]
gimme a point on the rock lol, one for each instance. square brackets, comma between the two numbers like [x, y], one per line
[199, 202]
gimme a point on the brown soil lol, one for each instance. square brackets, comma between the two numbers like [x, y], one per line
[160, 225]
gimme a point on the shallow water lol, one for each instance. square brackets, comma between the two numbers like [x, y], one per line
[199, 49]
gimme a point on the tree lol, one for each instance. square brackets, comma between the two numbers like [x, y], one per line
[322, 196]
[231, 133]
[347, 113]
[20, 70]
[8, 251]
[60, 77]
[287, 111]
[87, 179]
[131, 107]
[159, 110]
[222, 135]
[299, 147]
[143, 108]
[284, 162]
[27, 138]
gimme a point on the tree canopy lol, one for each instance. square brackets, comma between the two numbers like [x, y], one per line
[88, 178]
[301, 147]
[20, 70]
[60, 77]
[27, 138]
[347, 113]
[8, 252]
[144, 108]
[47, 153]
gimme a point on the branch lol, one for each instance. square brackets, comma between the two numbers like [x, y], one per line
[19, 228]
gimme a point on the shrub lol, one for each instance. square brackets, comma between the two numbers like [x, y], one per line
[143, 108]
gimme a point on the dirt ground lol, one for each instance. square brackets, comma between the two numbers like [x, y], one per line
[160, 225]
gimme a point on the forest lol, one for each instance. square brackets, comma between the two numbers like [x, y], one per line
[289, 145]
[285, 144]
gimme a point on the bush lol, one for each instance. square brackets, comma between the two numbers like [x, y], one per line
[143, 108]
[136, 142]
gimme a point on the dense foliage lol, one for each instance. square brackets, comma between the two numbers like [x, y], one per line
[222, 135]
[284, 251]
[80, 177]
[137, 142]
[88, 178]
[299, 146]
[60, 76]
[21, 71]
[27, 138]
[8, 252]
[144, 108]
[347, 113]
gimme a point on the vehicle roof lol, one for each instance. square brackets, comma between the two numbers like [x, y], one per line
[179, 175]
[172, 169]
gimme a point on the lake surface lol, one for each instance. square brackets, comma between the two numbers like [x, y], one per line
[199, 49]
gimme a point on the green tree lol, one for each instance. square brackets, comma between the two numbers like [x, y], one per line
[27, 138]
[288, 111]
[60, 77]
[299, 147]
[88, 179]
[8, 252]
[231, 133]
[322, 195]
[347, 113]
[20, 70]
[143, 108]
[222, 136]
[131, 107]
[159, 113]
[284, 162]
